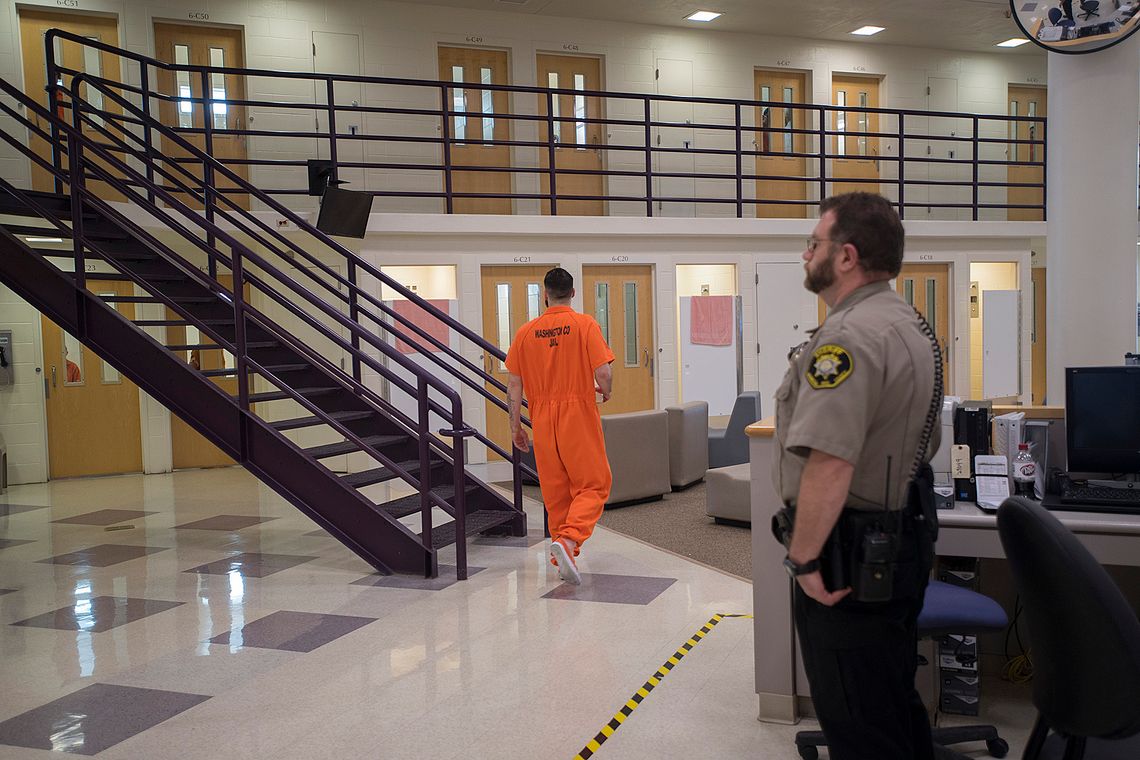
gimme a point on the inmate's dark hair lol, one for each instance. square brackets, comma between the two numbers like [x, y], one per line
[558, 283]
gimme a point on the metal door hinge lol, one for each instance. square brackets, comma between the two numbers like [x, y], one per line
[757, 279]
[314, 50]
[657, 73]
[757, 348]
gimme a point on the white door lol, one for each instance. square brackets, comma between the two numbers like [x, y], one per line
[785, 312]
[1001, 349]
[674, 77]
[338, 53]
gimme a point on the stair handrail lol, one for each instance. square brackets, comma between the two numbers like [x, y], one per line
[264, 197]
[330, 370]
[300, 251]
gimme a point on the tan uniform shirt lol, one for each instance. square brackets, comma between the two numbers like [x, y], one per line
[860, 390]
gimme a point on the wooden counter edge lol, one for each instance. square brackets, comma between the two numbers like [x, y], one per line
[765, 428]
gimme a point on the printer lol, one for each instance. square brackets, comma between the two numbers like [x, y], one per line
[943, 480]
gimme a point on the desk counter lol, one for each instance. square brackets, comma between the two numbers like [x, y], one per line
[966, 530]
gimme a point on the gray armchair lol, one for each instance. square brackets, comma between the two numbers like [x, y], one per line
[637, 445]
[688, 452]
[730, 445]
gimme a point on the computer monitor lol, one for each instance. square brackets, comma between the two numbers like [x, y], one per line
[1102, 419]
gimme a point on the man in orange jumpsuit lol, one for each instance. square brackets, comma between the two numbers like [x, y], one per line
[563, 360]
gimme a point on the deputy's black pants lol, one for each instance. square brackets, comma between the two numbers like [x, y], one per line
[860, 660]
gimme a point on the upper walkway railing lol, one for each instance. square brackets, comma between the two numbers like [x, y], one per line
[420, 146]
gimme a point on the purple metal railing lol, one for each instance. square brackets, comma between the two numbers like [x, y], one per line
[821, 115]
[80, 168]
[354, 292]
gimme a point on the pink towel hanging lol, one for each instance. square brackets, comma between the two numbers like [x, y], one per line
[424, 321]
[710, 320]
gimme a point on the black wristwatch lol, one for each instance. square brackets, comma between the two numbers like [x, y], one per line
[804, 569]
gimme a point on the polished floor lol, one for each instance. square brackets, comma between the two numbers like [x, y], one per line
[197, 615]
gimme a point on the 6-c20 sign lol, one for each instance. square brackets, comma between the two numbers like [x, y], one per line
[1076, 26]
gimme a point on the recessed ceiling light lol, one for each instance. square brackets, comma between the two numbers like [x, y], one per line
[703, 16]
[867, 31]
[43, 240]
[1013, 42]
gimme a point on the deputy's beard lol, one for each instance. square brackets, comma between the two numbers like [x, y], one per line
[821, 278]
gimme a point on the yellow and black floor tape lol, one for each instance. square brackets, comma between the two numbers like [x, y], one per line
[639, 696]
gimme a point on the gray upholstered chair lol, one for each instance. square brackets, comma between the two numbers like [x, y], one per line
[728, 494]
[637, 444]
[730, 445]
[688, 450]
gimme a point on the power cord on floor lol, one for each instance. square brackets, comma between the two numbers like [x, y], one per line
[1019, 668]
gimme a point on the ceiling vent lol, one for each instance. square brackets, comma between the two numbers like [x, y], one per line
[512, 2]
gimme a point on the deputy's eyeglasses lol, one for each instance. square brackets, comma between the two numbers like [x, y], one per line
[813, 243]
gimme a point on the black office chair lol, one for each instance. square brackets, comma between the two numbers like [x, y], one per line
[1085, 641]
[1089, 8]
[946, 609]
[1057, 18]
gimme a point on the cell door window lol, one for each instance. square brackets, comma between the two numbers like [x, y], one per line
[580, 111]
[182, 80]
[218, 87]
[789, 97]
[932, 303]
[1032, 130]
[555, 106]
[93, 64]
[908, 291]
[533, 301]
[765, 119]
[459, 103]
[503, 318]
[861, 142]
[488, 105]
[631, 347]
[841, 122]
[1013, 151]
[602, 308]
[73, 372]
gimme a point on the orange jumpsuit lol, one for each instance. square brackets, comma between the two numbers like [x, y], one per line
[556, 355]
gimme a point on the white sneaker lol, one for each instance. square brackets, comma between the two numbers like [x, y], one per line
[564, 559]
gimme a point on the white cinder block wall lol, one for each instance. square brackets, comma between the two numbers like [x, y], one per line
[401, 39]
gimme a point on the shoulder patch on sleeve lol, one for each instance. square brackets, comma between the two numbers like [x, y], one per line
[831, 364]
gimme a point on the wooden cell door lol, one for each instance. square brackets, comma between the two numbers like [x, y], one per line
[857, 153]
[472, 67]
[93, 414]
[512, 296]
[203, 46]
[34, 24]
[576, 141]
[188, 447]
[1038, 336]
[1026, 101]
[620, 298]
[780, 87]
[926, 287]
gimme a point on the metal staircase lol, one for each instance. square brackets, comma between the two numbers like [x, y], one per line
[179, 271]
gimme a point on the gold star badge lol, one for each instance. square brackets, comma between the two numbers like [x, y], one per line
[830, 366]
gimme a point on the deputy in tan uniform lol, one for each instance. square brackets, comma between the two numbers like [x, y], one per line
[854, 423]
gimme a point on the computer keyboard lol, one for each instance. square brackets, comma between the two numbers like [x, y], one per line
[1124, 498]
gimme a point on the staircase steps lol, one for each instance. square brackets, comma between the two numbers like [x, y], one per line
[348, 447]
[410, 504]
[306, 392]
[304, 422]
[476, 523]
[278, 369]
[382, 474]
[250, 345]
